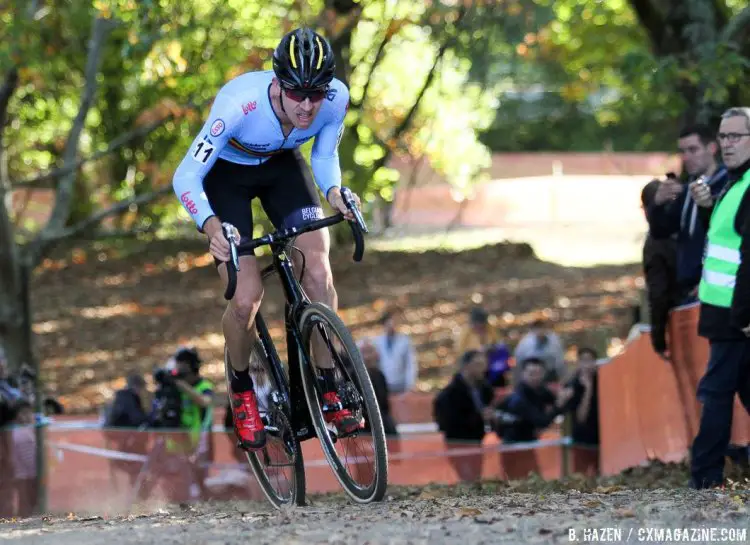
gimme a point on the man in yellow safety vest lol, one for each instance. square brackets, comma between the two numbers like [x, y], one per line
[724, 293]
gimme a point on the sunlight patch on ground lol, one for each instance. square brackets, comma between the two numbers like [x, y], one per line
[572, 245]
[121, 309]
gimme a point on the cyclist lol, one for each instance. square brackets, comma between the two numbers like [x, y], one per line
[248, 148]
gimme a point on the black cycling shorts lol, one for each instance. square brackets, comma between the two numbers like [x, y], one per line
[283, 184]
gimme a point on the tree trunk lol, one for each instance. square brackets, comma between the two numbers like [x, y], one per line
[690, 30]
[10, 312]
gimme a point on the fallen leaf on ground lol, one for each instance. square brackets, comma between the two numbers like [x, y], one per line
[469, 512]
[609, 489]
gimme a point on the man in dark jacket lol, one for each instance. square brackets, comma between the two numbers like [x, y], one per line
[659, 269]
[127, 408]
[460, 409]
[533, 404]
[725, 300]
[463, 412]
[673, 210]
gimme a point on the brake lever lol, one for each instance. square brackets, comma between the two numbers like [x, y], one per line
[346, 194]
[233, 236]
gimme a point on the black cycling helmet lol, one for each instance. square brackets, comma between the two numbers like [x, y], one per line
[304, 60]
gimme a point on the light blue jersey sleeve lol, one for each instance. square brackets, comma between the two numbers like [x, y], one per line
[224, 120]
[325, 152]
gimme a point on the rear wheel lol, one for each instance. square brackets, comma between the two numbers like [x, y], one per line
[359, 460]
[278, 467]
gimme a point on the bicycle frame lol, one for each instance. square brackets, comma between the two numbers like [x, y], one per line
[295, 301]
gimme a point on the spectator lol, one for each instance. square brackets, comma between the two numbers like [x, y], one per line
[196, 416]
[674, 211]
[479, 335]
[379, 384]
[127, 409]
[398, 360]
[542, 344]
[10, 394]
[532, 403]
[659, 269]
[24, 461]
[724, 293]
[126, 412]
[10, 397]
[463, 411]
[584, 405]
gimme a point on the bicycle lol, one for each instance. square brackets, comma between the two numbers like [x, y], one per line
[289, 405]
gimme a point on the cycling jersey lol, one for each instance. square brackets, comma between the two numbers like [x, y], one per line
[243, 128]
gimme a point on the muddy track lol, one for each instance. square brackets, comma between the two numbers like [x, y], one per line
[428, 517]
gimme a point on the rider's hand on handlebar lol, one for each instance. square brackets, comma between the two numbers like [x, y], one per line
[337, 202]
[218, 244]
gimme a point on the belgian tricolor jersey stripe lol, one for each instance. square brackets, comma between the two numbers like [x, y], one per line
[238, 146]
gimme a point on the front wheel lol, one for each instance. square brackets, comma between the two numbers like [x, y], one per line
[360, 459]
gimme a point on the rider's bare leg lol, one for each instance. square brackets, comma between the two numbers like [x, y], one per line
[239, 316]
[317, 283]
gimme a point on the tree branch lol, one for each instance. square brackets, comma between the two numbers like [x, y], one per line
[652, 20]
[406, 121]
[735, 26]
[100, 31]
[47, 179]
[47, 239]
[379, 55]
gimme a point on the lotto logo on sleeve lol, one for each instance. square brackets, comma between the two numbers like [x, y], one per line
[249, 107]
[217, 127]
[188, 202]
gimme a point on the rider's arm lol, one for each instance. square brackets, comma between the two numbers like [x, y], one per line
[325, 153]
[223, 122]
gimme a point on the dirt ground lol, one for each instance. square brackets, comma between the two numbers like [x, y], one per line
[450, 515]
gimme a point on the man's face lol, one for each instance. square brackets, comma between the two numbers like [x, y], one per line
[586, 362]
[391, 324]
[184, 369]
[696, 157]
[477, 367]
[369, 355]
[301, 109]
[734, 141]
[533, 375]
[25, 416]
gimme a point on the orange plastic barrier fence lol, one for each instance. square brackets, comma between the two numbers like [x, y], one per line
[648, 408]
[102, 471]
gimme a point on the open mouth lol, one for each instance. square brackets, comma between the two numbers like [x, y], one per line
[304, 118]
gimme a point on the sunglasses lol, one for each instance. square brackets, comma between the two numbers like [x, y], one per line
[299, 95]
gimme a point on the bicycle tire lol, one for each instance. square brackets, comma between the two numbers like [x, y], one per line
[297, 496]
[376, 491]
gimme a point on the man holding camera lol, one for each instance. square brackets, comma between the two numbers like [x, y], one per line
[724, 293]
[185, 401]
[195, 393]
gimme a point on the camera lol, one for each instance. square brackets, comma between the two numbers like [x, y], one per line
[164, 377]
[167, 399]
